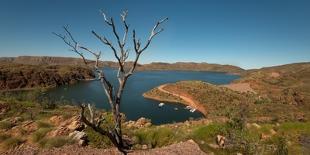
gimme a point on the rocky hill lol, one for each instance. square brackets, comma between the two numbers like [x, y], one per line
[286, 84]
[22, 76]
[189, 66]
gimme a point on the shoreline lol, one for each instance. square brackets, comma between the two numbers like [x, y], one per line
[185, 100]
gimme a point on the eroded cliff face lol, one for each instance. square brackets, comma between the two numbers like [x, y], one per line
[19, 76]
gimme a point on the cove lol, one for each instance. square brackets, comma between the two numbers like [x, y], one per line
[134, 105]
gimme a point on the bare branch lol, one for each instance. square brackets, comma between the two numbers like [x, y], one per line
[91, 112]
[107, 42]
[97, 55]
[124, 16]
[154, 32]
[100, 120]
[137, 44]
[105, 18]
[69, 34]
[74, 46]
[115, 34]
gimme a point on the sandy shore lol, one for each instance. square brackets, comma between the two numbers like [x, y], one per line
[187, 100]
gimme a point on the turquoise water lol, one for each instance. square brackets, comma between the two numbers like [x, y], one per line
[134, 105]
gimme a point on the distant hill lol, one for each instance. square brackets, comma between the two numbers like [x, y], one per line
[193, 67]
[190, 66]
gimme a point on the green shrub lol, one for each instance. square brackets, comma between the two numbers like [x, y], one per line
[295, 127]
[3, 137]
[47, 104]
[155, 137]
[281, 146]
[39, 134]
[43, 124]
[97, 140]
[262, 101]
[6, 125]
[207, 132]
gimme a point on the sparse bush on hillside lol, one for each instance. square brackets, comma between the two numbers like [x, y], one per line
[39, 134]
[42, 124]
[6, 125]
[281, 146]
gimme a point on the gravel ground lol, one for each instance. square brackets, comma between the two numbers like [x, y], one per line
[182, 148]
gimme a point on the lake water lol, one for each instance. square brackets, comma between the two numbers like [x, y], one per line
[134, 105]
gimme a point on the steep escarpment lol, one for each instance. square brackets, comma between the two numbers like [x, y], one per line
[21, 76]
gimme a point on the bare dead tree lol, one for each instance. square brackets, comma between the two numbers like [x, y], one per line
[121, 54]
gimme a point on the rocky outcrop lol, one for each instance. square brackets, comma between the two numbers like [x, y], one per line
[18, 76]
[71, 127]
[80, 137]
[56, 120]
[141, 122]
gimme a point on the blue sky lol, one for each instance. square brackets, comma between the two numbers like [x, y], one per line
[246, 33]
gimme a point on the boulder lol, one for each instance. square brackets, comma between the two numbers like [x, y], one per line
[82, 142]
[144, 147]
[148, 124]
[76, 125]
[141, 122]
[78, 135]
[264, 136]
[220, 140]
[272, 132]
[255, 125]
